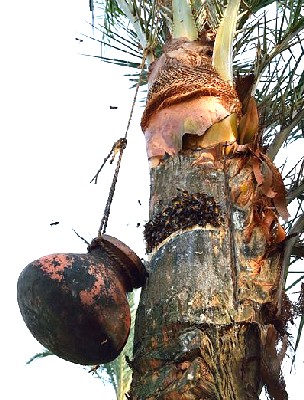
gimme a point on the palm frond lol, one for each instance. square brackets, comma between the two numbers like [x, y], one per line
[294, 180]
[271, 48]
[299, 334]
[38, 356]
[124, 48]
[208, 12]
[116, 61]
[294, 283]
[299, 311]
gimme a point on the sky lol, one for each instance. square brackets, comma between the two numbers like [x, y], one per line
[56, 128]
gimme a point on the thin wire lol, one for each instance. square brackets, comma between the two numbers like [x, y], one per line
[121, 144]
[95, 177]
[106, 213]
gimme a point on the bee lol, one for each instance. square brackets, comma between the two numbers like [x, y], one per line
[54, 223]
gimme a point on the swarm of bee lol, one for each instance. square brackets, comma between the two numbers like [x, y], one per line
[184, 211]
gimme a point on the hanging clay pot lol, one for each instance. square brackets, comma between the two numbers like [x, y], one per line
[76, 306]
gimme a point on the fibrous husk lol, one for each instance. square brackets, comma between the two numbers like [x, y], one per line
[186, 96]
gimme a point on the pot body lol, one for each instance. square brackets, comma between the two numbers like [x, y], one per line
[76, 306]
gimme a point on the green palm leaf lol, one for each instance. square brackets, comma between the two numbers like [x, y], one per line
[38, 356]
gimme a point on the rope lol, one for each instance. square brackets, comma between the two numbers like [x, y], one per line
[120, 145]
[106, 213]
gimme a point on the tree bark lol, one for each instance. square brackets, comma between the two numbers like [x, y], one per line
[207, 323]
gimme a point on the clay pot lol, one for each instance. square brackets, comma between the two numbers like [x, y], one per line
[76, 306]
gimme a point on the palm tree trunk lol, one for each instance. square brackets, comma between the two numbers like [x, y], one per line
[210, 298]
[208, 320]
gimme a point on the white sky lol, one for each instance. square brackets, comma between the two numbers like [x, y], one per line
[56, 128]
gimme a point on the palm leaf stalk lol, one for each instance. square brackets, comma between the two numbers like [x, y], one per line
[218, 253]
[183, 21]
